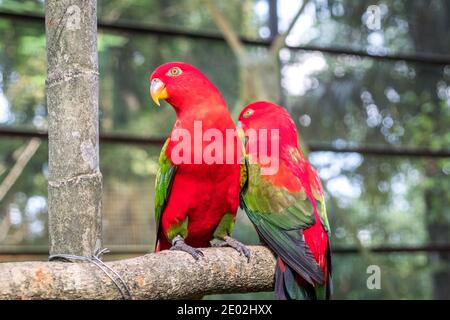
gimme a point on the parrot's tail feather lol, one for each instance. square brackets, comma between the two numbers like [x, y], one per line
[162, 244]
[290, 286]
[280, 289]
[329, 288]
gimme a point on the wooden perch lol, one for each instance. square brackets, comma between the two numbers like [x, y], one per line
[163, 275]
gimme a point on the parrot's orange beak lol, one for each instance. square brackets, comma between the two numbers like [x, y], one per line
[158, 90]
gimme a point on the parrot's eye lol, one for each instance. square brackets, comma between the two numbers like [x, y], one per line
[248, 113]
[173, 72]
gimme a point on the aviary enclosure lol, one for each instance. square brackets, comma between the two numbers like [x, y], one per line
[366, 82]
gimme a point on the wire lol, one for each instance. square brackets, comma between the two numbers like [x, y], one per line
[96, 260]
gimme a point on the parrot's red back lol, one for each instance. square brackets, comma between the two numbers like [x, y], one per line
[290, 227]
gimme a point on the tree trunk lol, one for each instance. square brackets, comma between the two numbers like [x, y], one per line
[75, 181]
[259, 79]
[163, 275]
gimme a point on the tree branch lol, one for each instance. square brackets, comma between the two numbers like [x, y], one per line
[24, 157]
[280, 40]
[227, 30]
[163, 275]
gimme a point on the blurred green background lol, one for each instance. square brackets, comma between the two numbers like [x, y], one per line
[336, 99]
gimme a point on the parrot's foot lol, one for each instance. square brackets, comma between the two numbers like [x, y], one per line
[233, 243]
[179, 245]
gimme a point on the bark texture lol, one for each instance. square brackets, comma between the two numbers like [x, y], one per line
[75, 182]
[163, 275]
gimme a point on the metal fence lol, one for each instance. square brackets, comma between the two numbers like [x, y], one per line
[132, 28]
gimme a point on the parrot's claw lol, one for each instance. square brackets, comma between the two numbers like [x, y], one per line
[233, 243]
[179, 245]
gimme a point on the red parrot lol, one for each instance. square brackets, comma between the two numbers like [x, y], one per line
[195, 201]
[286, 206]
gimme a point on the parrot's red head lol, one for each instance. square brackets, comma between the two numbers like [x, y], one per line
[268, 115]
[183, 86]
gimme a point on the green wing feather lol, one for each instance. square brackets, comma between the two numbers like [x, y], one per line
[280, 217]
[283, 209]
[322, 211]
[164, 178]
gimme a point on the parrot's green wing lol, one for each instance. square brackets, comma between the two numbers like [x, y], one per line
[320, 205]
[282, 208]
[280, 217]
[164, 178]
[322, 211]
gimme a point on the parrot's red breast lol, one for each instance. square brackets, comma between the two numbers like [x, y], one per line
[201, 193]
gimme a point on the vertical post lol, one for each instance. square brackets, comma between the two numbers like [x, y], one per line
[274, 33]
[273, 19]
[75, 181]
